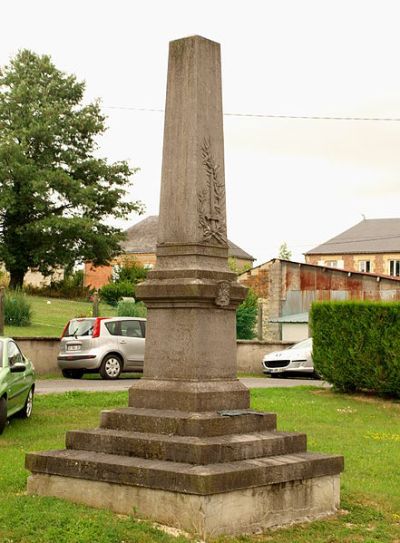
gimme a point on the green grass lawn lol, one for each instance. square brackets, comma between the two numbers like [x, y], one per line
[366, 431]
[49, 316]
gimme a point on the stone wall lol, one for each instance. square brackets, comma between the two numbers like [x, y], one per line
[251, 352]
[43, 353]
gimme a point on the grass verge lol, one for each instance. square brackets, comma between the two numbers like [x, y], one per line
[366, 431]
[50, 315]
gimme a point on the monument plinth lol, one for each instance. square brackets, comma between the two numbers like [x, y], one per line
[188, 451]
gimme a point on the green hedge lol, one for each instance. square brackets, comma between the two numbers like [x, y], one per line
[356, 345]
[246, 316]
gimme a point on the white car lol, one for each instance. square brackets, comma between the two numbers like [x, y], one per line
[296, 359]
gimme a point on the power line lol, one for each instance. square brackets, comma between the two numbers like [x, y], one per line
[273, 116]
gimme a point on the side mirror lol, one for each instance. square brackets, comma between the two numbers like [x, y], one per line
[19, 367]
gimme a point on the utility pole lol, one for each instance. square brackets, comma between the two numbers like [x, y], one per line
[2, 291]
[95, 310]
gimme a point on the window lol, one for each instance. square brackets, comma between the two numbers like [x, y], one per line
[79, 327]
[14, 354]
[364, 266]
[113, 327]
[131, 329]
[394, 267]
[331, 263]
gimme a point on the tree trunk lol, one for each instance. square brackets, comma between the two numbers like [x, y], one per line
[16, 278]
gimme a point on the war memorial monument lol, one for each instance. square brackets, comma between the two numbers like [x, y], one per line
[188, 451]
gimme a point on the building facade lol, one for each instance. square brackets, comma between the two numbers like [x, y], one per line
[371, 246]
[287, 289]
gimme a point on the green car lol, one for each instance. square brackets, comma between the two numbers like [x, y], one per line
[17, 382]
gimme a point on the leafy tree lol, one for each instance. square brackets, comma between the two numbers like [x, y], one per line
[132, 271]
[234, 266]
[55, 193]
[246, 316]
[284, 252]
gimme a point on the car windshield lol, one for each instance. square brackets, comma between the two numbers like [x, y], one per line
[80, 327]
[303, 344]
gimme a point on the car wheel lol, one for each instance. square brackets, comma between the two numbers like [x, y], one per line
[72, 374]
[3, 414]
[26, 411]
[111, 367]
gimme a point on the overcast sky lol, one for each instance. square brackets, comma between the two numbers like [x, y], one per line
[301, 181]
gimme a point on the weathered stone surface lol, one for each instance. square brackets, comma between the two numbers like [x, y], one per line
[189, 395]
[181, 423]
[192, 450]
[194, 350]
[180, 477]
[241, 511]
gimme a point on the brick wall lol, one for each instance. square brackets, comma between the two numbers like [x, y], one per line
[98, 276]
[379, 261]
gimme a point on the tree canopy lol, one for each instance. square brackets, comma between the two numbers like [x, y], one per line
[284, 252]
[56, 194]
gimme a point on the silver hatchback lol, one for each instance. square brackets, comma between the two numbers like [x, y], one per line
[102, 345]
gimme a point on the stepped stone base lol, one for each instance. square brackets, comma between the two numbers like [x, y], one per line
[210, 472]
[237, 512]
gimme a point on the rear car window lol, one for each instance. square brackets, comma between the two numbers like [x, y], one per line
[80, 327]
[131, 329]
[113, 327]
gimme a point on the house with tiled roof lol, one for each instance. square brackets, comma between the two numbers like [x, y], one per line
[372, 246]
[140, 245]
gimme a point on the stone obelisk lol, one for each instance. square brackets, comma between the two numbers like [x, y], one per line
[191, 295]
[188, 451]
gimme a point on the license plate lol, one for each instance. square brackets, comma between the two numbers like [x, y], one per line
[73, 347]
[275, 370]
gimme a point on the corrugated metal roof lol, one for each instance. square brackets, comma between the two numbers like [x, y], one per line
[368, 236]
[142, 238]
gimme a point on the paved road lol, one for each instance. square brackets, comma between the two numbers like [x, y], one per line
[58, 386]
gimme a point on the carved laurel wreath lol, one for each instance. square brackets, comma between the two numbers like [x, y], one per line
[211, 200]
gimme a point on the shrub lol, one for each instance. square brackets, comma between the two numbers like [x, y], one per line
[356, 345]
[128, 308]
[246, 316]
[17, 309]
[112, 293]
[131, 271]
